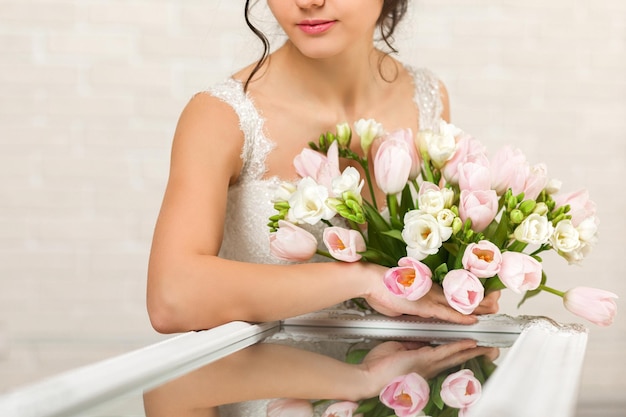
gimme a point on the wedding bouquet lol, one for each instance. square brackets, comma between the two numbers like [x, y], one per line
[452, 216]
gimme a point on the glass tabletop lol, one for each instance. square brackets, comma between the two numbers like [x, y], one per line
[328, 358]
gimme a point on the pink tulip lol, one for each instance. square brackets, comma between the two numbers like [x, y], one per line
[292, 243]
[474, 176]
[520, 272]
[463, 290]
[461, 389]
[479, 206]
[581, 207]
[392, 165]
[341, 409]
[411, 279]
[322, 168]
[344, 244]
[407, 395]
[289, 407]
[482, 259]
[468, 149]
[509, 169]
[536, 181]
[406, 135]
[597, 306]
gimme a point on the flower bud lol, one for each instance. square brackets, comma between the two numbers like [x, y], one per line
[516, 216]
[541, 209]
[457, 225]
[527, 206]
[344, 134]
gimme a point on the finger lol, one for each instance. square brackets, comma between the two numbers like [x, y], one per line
[489, 304]
[447, 313]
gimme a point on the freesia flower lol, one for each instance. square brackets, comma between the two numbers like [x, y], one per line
[480, 207]
[322, 168]
[535, 229]
[292, 243]
[461, 389]
[431, 199]
[463, 290]
[407, 395]
[438, 147]
[344, 244]
[423, 234]
[289, 407]
[392, 165]
[368, 130]
[283, 192]
[344, 134]
[482, 259]
[341, 409]
[411, 279]
[565, 238]
[308, 203]
[349, 181]
[520, 272]
[597, 306]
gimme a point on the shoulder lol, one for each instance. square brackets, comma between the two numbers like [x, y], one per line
[208, 129]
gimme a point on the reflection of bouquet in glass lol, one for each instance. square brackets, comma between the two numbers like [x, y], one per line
[451, 393]
[452, 216]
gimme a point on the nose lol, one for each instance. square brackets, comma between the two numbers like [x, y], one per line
[306, 4]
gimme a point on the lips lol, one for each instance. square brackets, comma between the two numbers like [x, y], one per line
[316, 26]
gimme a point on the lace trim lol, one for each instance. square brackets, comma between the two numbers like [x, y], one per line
[256, 145]
[427, 97]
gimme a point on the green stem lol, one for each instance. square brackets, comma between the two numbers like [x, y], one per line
[540, 249]
[324, 253]
[368, 178]
[551, 290]
[428, 173]
[392, 201]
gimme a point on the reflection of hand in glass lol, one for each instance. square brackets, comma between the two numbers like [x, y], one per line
[277, 371]
[390, 359]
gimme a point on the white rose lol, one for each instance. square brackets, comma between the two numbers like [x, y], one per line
[565, 237]
[349, 180]
[308, 203]
[535, 229]
[422, 234]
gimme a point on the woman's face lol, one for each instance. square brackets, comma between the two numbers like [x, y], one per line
[326, 28]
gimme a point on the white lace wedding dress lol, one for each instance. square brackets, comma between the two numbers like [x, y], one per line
[246, 235]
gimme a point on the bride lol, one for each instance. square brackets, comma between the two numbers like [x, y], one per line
[210, 262]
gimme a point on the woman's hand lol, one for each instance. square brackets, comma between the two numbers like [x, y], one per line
[431, 305]
[391, 359]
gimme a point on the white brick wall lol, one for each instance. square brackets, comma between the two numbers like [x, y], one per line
[90, 91]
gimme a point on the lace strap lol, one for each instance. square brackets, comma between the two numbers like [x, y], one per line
[256, 145]
[427, 97]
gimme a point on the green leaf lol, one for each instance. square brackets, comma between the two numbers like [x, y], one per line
[494, 284]
[356, 356]
[368, 405]
[394, 233]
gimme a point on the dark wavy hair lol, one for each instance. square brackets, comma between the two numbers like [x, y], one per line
[391, 14]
